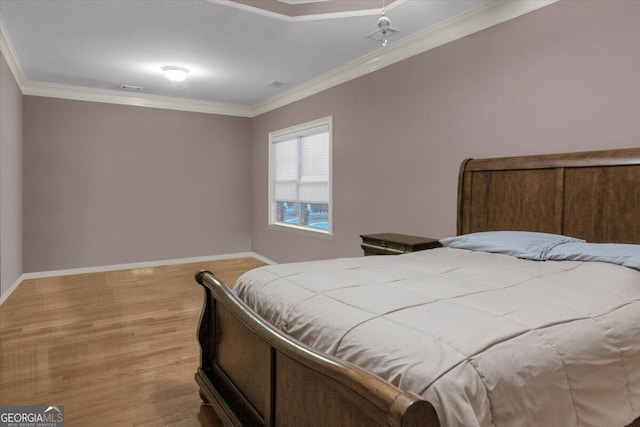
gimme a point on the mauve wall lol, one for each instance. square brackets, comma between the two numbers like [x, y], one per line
[111, 184]
[11, 261]
[562, 78]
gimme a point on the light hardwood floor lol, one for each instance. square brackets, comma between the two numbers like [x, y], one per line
[115, 348]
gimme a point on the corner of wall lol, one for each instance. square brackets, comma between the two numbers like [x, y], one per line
[11, 181]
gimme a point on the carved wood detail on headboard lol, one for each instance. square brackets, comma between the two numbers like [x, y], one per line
[594, 195]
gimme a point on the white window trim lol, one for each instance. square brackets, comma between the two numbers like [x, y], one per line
[272, 224]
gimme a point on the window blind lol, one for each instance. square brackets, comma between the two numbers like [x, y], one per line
[301, 166]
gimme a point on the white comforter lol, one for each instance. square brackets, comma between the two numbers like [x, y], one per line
[490, 340]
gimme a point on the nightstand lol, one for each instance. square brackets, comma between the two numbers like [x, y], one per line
[395, 244]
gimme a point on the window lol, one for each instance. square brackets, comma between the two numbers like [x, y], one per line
[300, 176]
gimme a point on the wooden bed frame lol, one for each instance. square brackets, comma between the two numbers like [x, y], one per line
[254, 375]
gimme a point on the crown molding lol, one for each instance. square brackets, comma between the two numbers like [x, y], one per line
[303, 18]
[52, 90]
[294, 2]
[10, 55]
[474, 20]
[477, 19]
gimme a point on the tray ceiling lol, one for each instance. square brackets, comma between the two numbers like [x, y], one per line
[241, 62]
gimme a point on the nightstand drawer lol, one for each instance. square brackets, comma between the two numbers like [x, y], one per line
[395, 244]
[383, 247]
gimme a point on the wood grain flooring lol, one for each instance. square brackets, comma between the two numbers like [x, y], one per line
[114, 348]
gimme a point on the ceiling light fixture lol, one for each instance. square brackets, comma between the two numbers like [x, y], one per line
[384, 31]
[175, 73]
[384, 24]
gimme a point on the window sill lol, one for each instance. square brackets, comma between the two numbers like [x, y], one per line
[322, 234]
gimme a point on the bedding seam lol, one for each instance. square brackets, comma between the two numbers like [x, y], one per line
[551, 344]
[601, 322]
[486, 390]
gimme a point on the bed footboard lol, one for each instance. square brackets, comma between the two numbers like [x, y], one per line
[254, 375]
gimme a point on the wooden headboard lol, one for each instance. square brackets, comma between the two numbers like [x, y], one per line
[593, 195]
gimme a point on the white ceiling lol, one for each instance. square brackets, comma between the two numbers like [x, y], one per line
[233, 51]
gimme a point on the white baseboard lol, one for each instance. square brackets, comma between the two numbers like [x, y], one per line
[12, 288]
[100, 269]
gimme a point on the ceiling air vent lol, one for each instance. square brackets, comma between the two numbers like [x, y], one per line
[131, 88]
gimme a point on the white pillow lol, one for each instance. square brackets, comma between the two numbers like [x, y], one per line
[521, 244]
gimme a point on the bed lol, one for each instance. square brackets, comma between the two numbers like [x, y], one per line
[254, 374]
